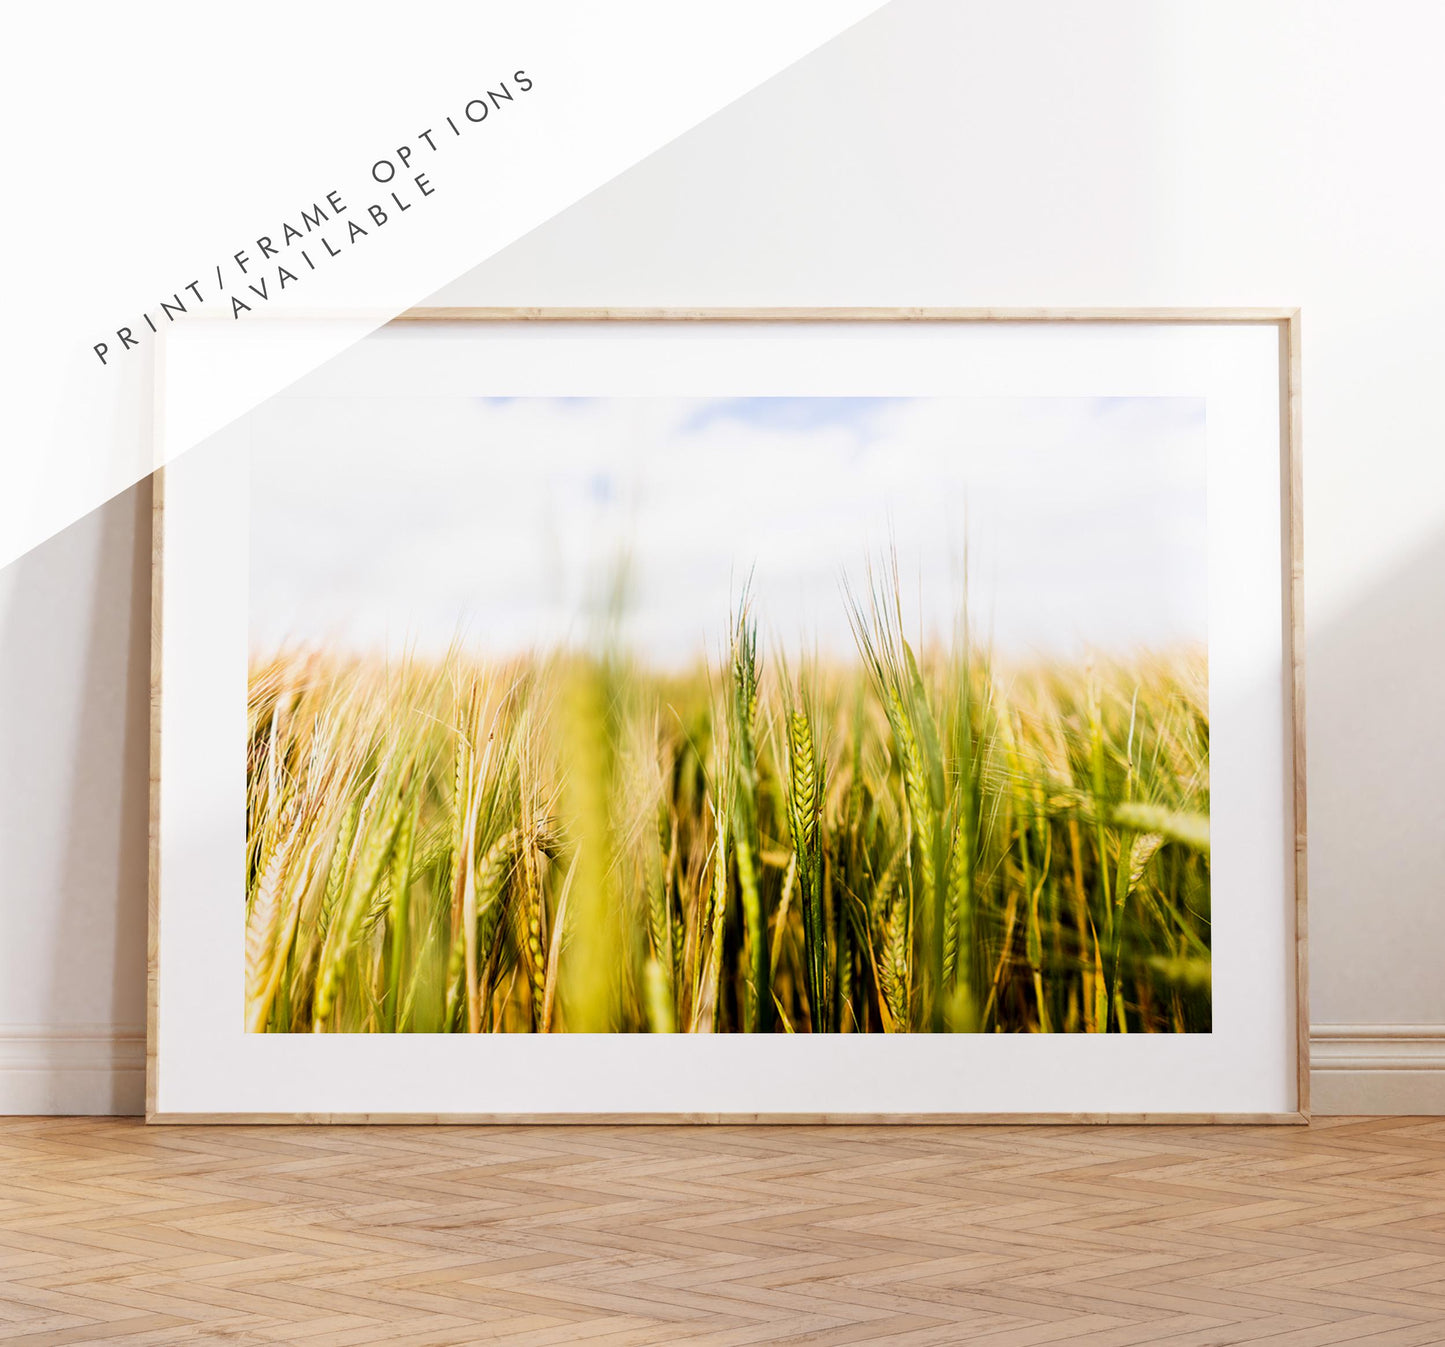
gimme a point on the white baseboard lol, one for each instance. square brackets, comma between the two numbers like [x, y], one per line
[77, 1068]
[97, 1069]
[1377, 1068]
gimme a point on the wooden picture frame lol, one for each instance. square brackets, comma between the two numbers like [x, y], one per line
[1285, 321]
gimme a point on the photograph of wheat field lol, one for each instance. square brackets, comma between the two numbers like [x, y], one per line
[759, 715]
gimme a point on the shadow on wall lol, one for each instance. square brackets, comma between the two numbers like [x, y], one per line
[1375, 717]
[74, 709]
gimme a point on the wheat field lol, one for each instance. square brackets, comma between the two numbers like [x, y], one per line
[916, 840]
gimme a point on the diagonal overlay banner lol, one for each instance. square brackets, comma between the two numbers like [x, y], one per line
[189, 165]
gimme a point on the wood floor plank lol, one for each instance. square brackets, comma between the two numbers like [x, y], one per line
[723, 1237]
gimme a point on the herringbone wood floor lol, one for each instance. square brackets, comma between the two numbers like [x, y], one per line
[110, 1231]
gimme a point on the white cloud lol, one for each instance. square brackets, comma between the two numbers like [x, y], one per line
[397, 521]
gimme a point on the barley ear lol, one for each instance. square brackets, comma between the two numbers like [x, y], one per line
[803, 801]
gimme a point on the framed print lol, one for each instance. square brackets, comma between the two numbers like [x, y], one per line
[735, 715]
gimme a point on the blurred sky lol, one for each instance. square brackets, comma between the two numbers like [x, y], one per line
[397, 522]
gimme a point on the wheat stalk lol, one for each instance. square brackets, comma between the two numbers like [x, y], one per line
[426, 854]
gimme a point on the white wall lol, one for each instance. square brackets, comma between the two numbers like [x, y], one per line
[945, 152]
[74, 708]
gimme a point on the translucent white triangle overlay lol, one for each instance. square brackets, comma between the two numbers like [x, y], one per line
[156, 141]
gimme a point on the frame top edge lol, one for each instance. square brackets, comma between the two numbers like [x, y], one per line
[804, 314]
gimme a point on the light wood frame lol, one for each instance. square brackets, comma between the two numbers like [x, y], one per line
[1287, 323]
